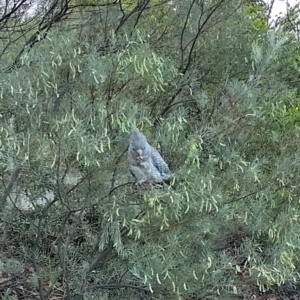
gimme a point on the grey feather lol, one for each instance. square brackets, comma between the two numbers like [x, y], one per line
[144, 161]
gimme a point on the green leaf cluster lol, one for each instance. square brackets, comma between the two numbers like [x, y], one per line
[211, 93]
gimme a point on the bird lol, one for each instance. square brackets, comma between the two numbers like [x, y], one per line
[145, 162]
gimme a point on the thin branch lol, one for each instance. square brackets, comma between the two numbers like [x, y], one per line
[13, 10]
[182, 33]
[121, 286]
[38, 36]
[125, 17]
[198, 34]
[9, 188]
[183, 69]
[101, 258]
[143, 7]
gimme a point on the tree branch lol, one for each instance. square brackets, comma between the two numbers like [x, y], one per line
[9, 188]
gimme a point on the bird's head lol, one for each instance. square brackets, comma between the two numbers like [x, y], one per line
[139, 146]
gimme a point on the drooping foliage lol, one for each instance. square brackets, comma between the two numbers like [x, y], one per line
[208, 83]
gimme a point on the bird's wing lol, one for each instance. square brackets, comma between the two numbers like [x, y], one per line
[159, 163]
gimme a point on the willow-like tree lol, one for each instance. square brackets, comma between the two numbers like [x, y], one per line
[201, 80]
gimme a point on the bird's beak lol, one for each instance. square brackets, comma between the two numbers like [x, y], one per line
[140, 152]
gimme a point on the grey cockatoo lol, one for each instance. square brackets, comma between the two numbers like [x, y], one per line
[145, 163]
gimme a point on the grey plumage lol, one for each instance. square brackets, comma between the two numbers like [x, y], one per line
[144, 161]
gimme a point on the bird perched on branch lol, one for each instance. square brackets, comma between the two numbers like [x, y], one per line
[145, 162]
